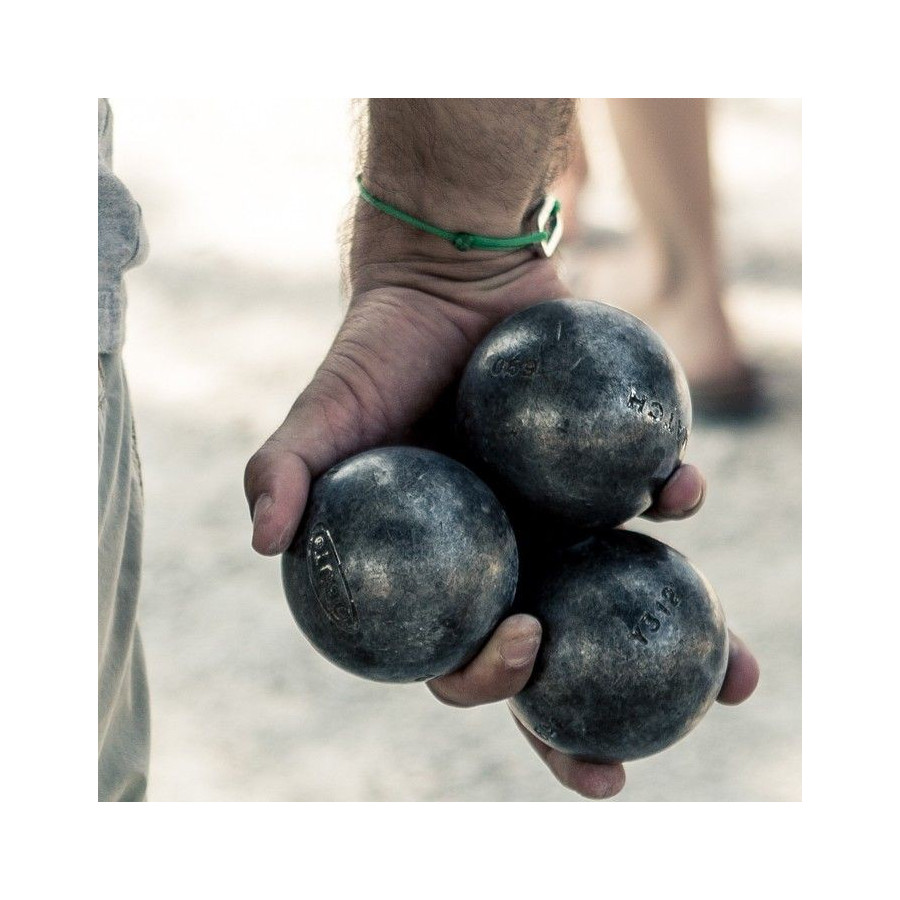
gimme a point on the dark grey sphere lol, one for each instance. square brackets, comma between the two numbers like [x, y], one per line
[403, 565]
[576, 410]
[634, 649]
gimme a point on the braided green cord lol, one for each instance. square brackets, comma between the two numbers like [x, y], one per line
[462, 240]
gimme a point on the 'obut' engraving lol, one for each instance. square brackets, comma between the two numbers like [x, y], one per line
[649, 624]
[654, 411]
[327, 579]
[514, 366]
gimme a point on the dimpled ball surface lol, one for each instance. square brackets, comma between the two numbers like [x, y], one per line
[402, 566]
[576, 410]
[633, 653]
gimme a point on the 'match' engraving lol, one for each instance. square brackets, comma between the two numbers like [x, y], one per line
[654, 412]
[327, 579]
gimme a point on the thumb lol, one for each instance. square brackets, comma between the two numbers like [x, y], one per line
[387, 366]
[326, 424]
[276, 482]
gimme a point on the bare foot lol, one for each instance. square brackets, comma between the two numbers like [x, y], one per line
[696, 330]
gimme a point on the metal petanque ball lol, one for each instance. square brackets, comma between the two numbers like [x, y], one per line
[402, 566]
[575, 410]
[634, 648]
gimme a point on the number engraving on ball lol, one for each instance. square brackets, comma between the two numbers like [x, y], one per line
[327, 579]
[655, 412]
[648, 623]
[513, 366]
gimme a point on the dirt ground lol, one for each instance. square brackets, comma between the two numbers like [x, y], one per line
[228, 320]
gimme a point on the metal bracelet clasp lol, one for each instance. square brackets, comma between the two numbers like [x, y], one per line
[549, 219]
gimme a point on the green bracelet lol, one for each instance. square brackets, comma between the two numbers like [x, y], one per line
[548, 219]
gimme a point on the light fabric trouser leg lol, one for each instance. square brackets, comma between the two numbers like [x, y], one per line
[124, 722]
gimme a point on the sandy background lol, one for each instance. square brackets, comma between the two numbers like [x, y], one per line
[228, 320]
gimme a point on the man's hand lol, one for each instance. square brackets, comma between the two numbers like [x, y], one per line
[399, 349]
[418, 309]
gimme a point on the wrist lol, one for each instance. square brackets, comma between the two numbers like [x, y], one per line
[452, 206]
[378, 236]
[379, 239]
[387, 253]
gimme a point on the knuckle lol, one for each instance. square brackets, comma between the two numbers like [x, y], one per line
[255, 468]
[260, 466]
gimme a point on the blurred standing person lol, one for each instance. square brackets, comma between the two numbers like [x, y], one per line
[123, 714]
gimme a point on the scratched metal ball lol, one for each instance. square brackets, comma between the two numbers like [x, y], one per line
[633, 653]
[403, 565]
[575, 410]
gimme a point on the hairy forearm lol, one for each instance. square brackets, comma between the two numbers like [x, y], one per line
[479, 166]
[475, 165]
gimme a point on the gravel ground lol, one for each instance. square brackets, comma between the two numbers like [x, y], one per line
[229, 318]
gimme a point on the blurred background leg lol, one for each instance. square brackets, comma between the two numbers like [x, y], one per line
[664, 145]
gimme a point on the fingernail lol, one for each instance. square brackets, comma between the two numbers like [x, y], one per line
[700, 499]
[521, 650]
[701, 494]
[283, 541]
[263, 503]
[696, 499]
